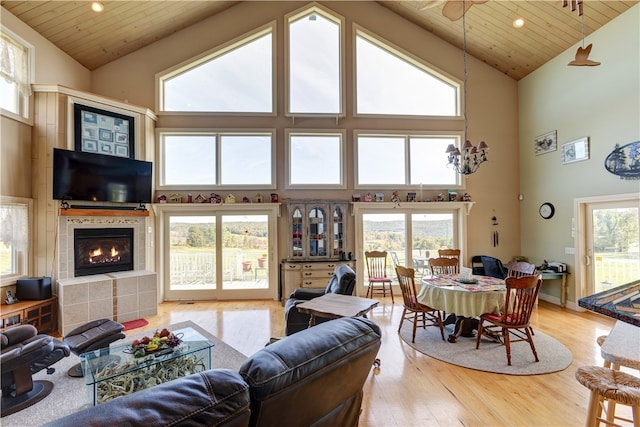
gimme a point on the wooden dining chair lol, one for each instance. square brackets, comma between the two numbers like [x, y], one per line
[442, 265]
[449, 253]
[513, 324]
[520, 268]
[413, 311]
[379, 282]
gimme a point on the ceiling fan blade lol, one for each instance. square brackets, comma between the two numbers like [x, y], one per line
[454, 11]
[430, 4]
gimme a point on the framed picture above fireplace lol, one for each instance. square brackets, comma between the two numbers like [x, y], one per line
[103, 132]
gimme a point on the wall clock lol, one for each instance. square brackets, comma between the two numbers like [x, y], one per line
[547, 210]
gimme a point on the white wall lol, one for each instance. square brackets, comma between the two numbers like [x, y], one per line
[602, 103]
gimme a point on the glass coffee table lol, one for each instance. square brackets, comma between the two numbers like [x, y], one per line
[118, 373]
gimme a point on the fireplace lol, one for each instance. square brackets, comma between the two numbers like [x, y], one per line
[102, 250]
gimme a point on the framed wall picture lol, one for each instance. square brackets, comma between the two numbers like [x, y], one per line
[546, 143]
[104, 132]
[575, 151]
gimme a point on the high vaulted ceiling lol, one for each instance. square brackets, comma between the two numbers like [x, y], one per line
[95, 39]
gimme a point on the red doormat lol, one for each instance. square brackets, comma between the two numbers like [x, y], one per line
[133, 324]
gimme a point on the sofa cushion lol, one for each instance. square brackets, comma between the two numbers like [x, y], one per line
[313, 377]
[217, 397]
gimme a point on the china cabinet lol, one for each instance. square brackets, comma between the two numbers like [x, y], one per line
[317, 229]
[317, 240]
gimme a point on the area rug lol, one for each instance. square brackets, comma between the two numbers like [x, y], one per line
[134, 324]
[70, 395]
[491, 356]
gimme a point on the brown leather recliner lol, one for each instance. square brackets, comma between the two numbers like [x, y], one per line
[23, 353]
[343, 281]
[314, 377]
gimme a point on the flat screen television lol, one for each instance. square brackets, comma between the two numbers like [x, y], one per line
[100, 178]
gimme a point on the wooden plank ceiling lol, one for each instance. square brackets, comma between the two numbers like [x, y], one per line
[95, 39]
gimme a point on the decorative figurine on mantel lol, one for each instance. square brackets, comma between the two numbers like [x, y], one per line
[355, 197]
[175, 198]
[411, 197]
[245, 199]
[200, 199]
[368, 197]
[215, 198]
[189, 198]
[466, 197]
[259, 198]
[230, 199]
[440, 197]
[162, 198]
[379, 197]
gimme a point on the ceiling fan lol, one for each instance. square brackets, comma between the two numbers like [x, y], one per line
[453, 9]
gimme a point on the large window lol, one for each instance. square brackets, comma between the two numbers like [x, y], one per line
[392, 83]
[315, 65]
[417, 160]
[236, 78]
[208, 159]
[15, 232]
[15, 75]
[315, 159]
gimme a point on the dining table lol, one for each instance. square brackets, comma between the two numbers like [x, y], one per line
[466, 299]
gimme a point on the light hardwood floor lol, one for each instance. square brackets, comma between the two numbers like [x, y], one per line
[412, 389]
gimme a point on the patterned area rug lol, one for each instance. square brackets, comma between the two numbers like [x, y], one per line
[70, 395]
[491, 356]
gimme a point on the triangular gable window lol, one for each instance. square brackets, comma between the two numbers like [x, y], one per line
[236, 79]
[390, 82]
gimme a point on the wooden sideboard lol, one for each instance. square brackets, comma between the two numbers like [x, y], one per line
[39, 313]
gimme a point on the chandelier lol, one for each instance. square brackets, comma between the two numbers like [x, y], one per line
[468, 160]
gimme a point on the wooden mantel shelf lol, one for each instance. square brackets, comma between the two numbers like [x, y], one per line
[102, 212]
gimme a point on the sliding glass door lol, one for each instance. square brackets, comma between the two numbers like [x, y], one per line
[211, 252]
[411, 235]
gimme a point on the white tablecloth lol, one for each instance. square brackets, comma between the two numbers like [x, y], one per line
[444, 293]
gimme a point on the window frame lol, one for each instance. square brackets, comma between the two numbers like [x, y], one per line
[456, 136]
[210, 55]
[411, 59]
[332, 16]
[315, 132]
[25, 257]
[217, 133]
[25, 105]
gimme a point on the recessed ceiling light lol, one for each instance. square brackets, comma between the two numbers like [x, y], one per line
[518, 23]
[96, 6]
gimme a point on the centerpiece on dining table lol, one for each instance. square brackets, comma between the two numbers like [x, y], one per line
[163, 341]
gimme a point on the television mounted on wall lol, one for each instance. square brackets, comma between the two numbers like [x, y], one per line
[81, 176]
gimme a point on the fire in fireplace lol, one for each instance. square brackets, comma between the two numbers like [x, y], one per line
[102, 250]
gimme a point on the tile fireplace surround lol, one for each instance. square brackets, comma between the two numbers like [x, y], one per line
[121, 296]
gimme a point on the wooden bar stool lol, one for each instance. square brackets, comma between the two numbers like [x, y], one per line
[610, 409]
[607, 383]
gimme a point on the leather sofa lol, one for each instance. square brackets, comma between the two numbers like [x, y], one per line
[314, 377]
[342, 281]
